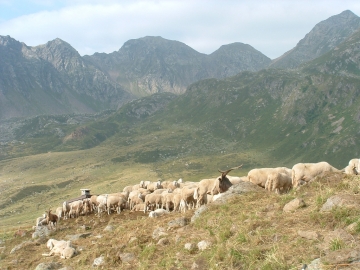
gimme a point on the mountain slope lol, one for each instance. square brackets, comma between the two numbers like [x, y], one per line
[325, 36]
[51, 79]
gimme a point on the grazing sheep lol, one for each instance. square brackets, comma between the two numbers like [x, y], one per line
[187, 195]
[138, 207]
[158, 213]
[172, 200]
[260, 176]
[144, 184]
[76, 208]
[116, 201]
[304, 172]
[139, 199]
[101, 208]
[87, 207]
[152, 201]
[236, 180]
[278, 182]
[66, 209]
[101, 199]
[128, 189]
[154, 185]
[59, 212]
[93, 202]
[159, 191]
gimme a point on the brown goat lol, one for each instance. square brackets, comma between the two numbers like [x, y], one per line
[52, 219]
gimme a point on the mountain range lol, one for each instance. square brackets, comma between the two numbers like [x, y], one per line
[310, 112]
[54, 79]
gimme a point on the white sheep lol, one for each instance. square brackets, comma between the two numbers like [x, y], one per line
[57, 247]
[278, 182]
[68, 252]
[158, 213]
[139, 207]
[305, 172]
[153, 201]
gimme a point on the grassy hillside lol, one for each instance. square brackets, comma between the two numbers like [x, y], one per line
[250, 231]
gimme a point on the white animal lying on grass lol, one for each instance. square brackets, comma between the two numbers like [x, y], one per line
[158, 213]
[60, 247]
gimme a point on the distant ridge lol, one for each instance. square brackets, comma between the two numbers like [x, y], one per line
[325, 36]
[153, 64]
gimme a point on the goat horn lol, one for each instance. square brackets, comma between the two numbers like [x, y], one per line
[229, 170]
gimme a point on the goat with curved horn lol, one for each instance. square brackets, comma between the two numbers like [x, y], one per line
[224, 173]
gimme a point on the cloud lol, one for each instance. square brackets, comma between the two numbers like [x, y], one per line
[272, 27]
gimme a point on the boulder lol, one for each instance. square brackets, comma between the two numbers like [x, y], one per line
[179, 222]
[41, 232]
[294, 205]
[48, 266]
[341, 200]
[127, 257]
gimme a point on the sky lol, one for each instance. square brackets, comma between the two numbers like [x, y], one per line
[270, 26]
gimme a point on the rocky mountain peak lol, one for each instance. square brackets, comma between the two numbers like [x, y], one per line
[7, 41]
[325, 36]
[59, 53]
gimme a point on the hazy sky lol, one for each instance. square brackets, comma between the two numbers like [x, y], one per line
[270, 26]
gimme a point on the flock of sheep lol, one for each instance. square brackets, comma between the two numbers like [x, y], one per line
[162, 197]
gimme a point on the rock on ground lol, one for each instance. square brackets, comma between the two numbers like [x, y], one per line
[202, 245]
[341, 200]
[48, 266]
[294, 205]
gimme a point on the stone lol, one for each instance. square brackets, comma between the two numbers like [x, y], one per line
[17, 247]
[202, 245]
[127, 257]
[41, 231]
[198, 212]
[190, 246]
[48, 266]
[294, 205]
[341, 200]
[179, 222]
[341, 256]
[99, 261]
[314, 265]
